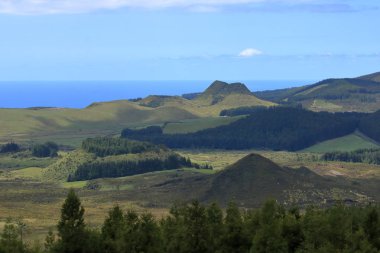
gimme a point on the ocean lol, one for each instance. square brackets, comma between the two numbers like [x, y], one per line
[79, 94]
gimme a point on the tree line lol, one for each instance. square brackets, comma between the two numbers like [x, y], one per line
[371, 156]
[10, 147]
[105, 146]
[123, 168]
[47, 149]
[198, 228]
[276, 128]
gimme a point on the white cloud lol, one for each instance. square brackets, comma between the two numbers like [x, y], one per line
[79, 6]
[250, 52]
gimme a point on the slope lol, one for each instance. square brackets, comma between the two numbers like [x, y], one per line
[70, 126]
[253, 179]
[349, 142]
[217, 97]
[360, 94]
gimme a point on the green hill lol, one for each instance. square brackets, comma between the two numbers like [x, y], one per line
[349, 142]
[360, 94]
[70, 126]
[371, 77]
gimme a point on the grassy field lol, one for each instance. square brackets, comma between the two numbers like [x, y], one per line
[23, 160]
[346, 143]
[194, 125]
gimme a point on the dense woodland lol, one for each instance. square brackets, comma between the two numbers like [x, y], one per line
[113, 163]
[48, 149]
[196, 228]
[10, 148]
[371, 156]
[370, 125]
[276, 128]
[105, 146]
[122, 168]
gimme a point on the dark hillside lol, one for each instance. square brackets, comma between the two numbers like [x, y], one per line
[276, 128]
[253, 179]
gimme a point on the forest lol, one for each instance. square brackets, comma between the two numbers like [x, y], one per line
[198, 228]
[122, 168]
[276, 128]
[369, 125]
[371, 156]
[10, 147]
[105, 146]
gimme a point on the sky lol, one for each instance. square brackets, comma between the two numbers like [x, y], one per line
[188, 39]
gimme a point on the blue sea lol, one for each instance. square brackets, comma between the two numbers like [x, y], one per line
[79, 94]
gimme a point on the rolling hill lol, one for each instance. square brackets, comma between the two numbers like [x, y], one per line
[70, 126]
[361, 94]
[217, 97]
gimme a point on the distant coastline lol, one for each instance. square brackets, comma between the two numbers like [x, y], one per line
[79, 94]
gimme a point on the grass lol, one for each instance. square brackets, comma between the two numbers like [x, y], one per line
[74, 185]
[70, 126]
[194, 125]
[23, 160]
[323, 105]
[202, 171]
[349, 142]
[33, 173]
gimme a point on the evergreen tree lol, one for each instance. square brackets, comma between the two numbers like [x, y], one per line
[372, 227]
[112, 231]
[71, 227]
[215, 227]
[149, 237]
[269, 237]
[235, 238]
[196, 230]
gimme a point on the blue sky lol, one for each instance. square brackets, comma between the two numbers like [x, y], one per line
[188, 39]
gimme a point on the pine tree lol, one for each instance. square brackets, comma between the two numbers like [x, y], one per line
[196, 231]
[71, 227]
[235, 239]
[215, 226]
[112, 230]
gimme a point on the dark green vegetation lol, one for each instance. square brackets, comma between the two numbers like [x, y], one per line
[48, 149]
[115, 146]
[370, 126]
[10, 148]
[122, 168]
[276, 128]
[371, 156]
[106, 157]
[360, 94]
[195, 228]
